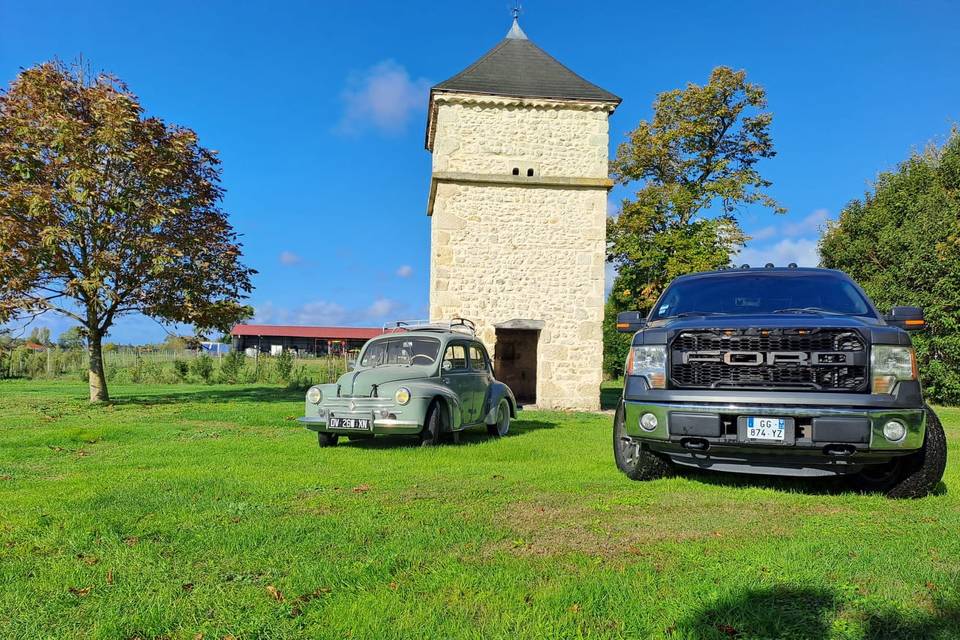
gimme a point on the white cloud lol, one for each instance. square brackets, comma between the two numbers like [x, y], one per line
[382, 307]
[405, 271]
[813, 223]
[384, 97]
[326, 313]
[803, 251]
[289, 258]
[609, 275]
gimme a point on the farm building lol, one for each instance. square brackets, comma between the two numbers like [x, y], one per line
[304, 341]
[518, 206]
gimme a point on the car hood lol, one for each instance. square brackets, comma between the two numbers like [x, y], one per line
[874, 329]
[362, 381]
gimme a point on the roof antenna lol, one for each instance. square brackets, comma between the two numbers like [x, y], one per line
[516, 33]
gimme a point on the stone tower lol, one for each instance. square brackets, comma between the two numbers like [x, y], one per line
[518, 199]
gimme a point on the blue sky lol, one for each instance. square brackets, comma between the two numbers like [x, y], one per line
[318, 111]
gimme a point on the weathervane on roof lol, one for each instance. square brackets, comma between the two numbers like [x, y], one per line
[515, 31]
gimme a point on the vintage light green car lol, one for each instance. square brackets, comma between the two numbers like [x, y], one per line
[423, 380]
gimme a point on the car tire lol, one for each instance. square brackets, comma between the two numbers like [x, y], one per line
[432, 427]
[633, 458]
[913, 476]
[501, 427]
[327, 439]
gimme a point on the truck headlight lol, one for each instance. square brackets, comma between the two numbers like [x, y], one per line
[889, 365]
[649, 361]
[314, 395]
[402, 396]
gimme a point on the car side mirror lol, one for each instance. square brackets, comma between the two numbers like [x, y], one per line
[630, 321]
[447, 365]
[351, 365]
[908, 318]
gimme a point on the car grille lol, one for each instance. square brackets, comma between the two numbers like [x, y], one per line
[811, 359]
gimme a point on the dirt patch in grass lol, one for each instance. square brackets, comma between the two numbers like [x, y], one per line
[548, 526]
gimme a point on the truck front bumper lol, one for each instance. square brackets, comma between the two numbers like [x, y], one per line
[818, 440]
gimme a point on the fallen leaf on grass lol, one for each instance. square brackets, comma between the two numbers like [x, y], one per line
[289, 418]
[362, 488]
[727, 629]
[6, 477]
[57, 449]
[80, 593]
[82, 453]
[199, 636]
[88, 560]
[131, 541]
[575, 608]
[296, 610]
[109, 576]
[393, 586]
[497, 476]
[275, 593]
[187, 586]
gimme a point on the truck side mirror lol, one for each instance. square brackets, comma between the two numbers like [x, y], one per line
[630, 321]
[909, 318]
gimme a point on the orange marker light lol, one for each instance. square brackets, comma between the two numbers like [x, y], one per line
[914, 323]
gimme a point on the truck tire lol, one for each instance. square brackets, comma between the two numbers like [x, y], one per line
[913, 476]
[633, 458]
[432, 426]
[327, 439]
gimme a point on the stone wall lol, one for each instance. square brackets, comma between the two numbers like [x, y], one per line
[534, 251]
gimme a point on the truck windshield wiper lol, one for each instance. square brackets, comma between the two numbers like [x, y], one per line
[809, 310]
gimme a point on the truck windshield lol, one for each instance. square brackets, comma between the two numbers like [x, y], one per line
[400, 351]
[745, 294]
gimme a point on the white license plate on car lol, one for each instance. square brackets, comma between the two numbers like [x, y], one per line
[760, 428]
[349, 424]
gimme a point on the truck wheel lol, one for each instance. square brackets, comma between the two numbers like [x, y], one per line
[432, 427]
[913, 476]
[633, 458]
[502, 425]
[327, 439]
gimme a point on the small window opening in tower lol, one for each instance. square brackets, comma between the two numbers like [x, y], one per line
[516, 171]
[529, 172]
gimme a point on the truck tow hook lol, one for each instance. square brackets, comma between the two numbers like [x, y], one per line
[695, 444]
[839, 450]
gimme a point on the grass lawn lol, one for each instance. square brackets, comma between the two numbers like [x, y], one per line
[189, 512]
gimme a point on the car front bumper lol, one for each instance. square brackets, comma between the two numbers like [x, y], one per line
[381, 426]
[819, 440]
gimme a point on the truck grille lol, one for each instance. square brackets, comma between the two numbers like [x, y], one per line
[813, 359]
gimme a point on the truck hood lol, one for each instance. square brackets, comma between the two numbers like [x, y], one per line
[362, 381]
[873, 329]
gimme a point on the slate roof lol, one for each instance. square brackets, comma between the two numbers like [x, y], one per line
[518, 68]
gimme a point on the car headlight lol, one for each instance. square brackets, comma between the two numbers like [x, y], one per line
[889, 365]
[314, 395]
[649, 362]
[402, 396]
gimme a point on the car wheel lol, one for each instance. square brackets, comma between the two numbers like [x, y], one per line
[500, 428]
[633, 458]
[327, 439]
[432, 427]
[913, 476]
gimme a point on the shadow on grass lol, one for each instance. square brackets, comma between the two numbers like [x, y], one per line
[610, 396]
[797, 612]
[474, 435]
[831, 485]
[242, 394]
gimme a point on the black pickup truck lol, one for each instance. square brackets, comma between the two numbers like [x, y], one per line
[784, 371]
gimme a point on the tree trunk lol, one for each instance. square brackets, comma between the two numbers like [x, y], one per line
[98, 379]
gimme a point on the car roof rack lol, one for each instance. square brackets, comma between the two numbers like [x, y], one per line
[461, 325]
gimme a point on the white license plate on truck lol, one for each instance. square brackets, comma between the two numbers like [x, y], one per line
[768, 429]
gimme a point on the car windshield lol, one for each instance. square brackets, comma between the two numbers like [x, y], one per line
[745, 294]
[403, 350]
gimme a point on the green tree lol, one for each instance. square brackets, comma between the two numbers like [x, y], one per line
[695, 166]
[105, 212]
[901, 242]
[40, 335]
[72, 338]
